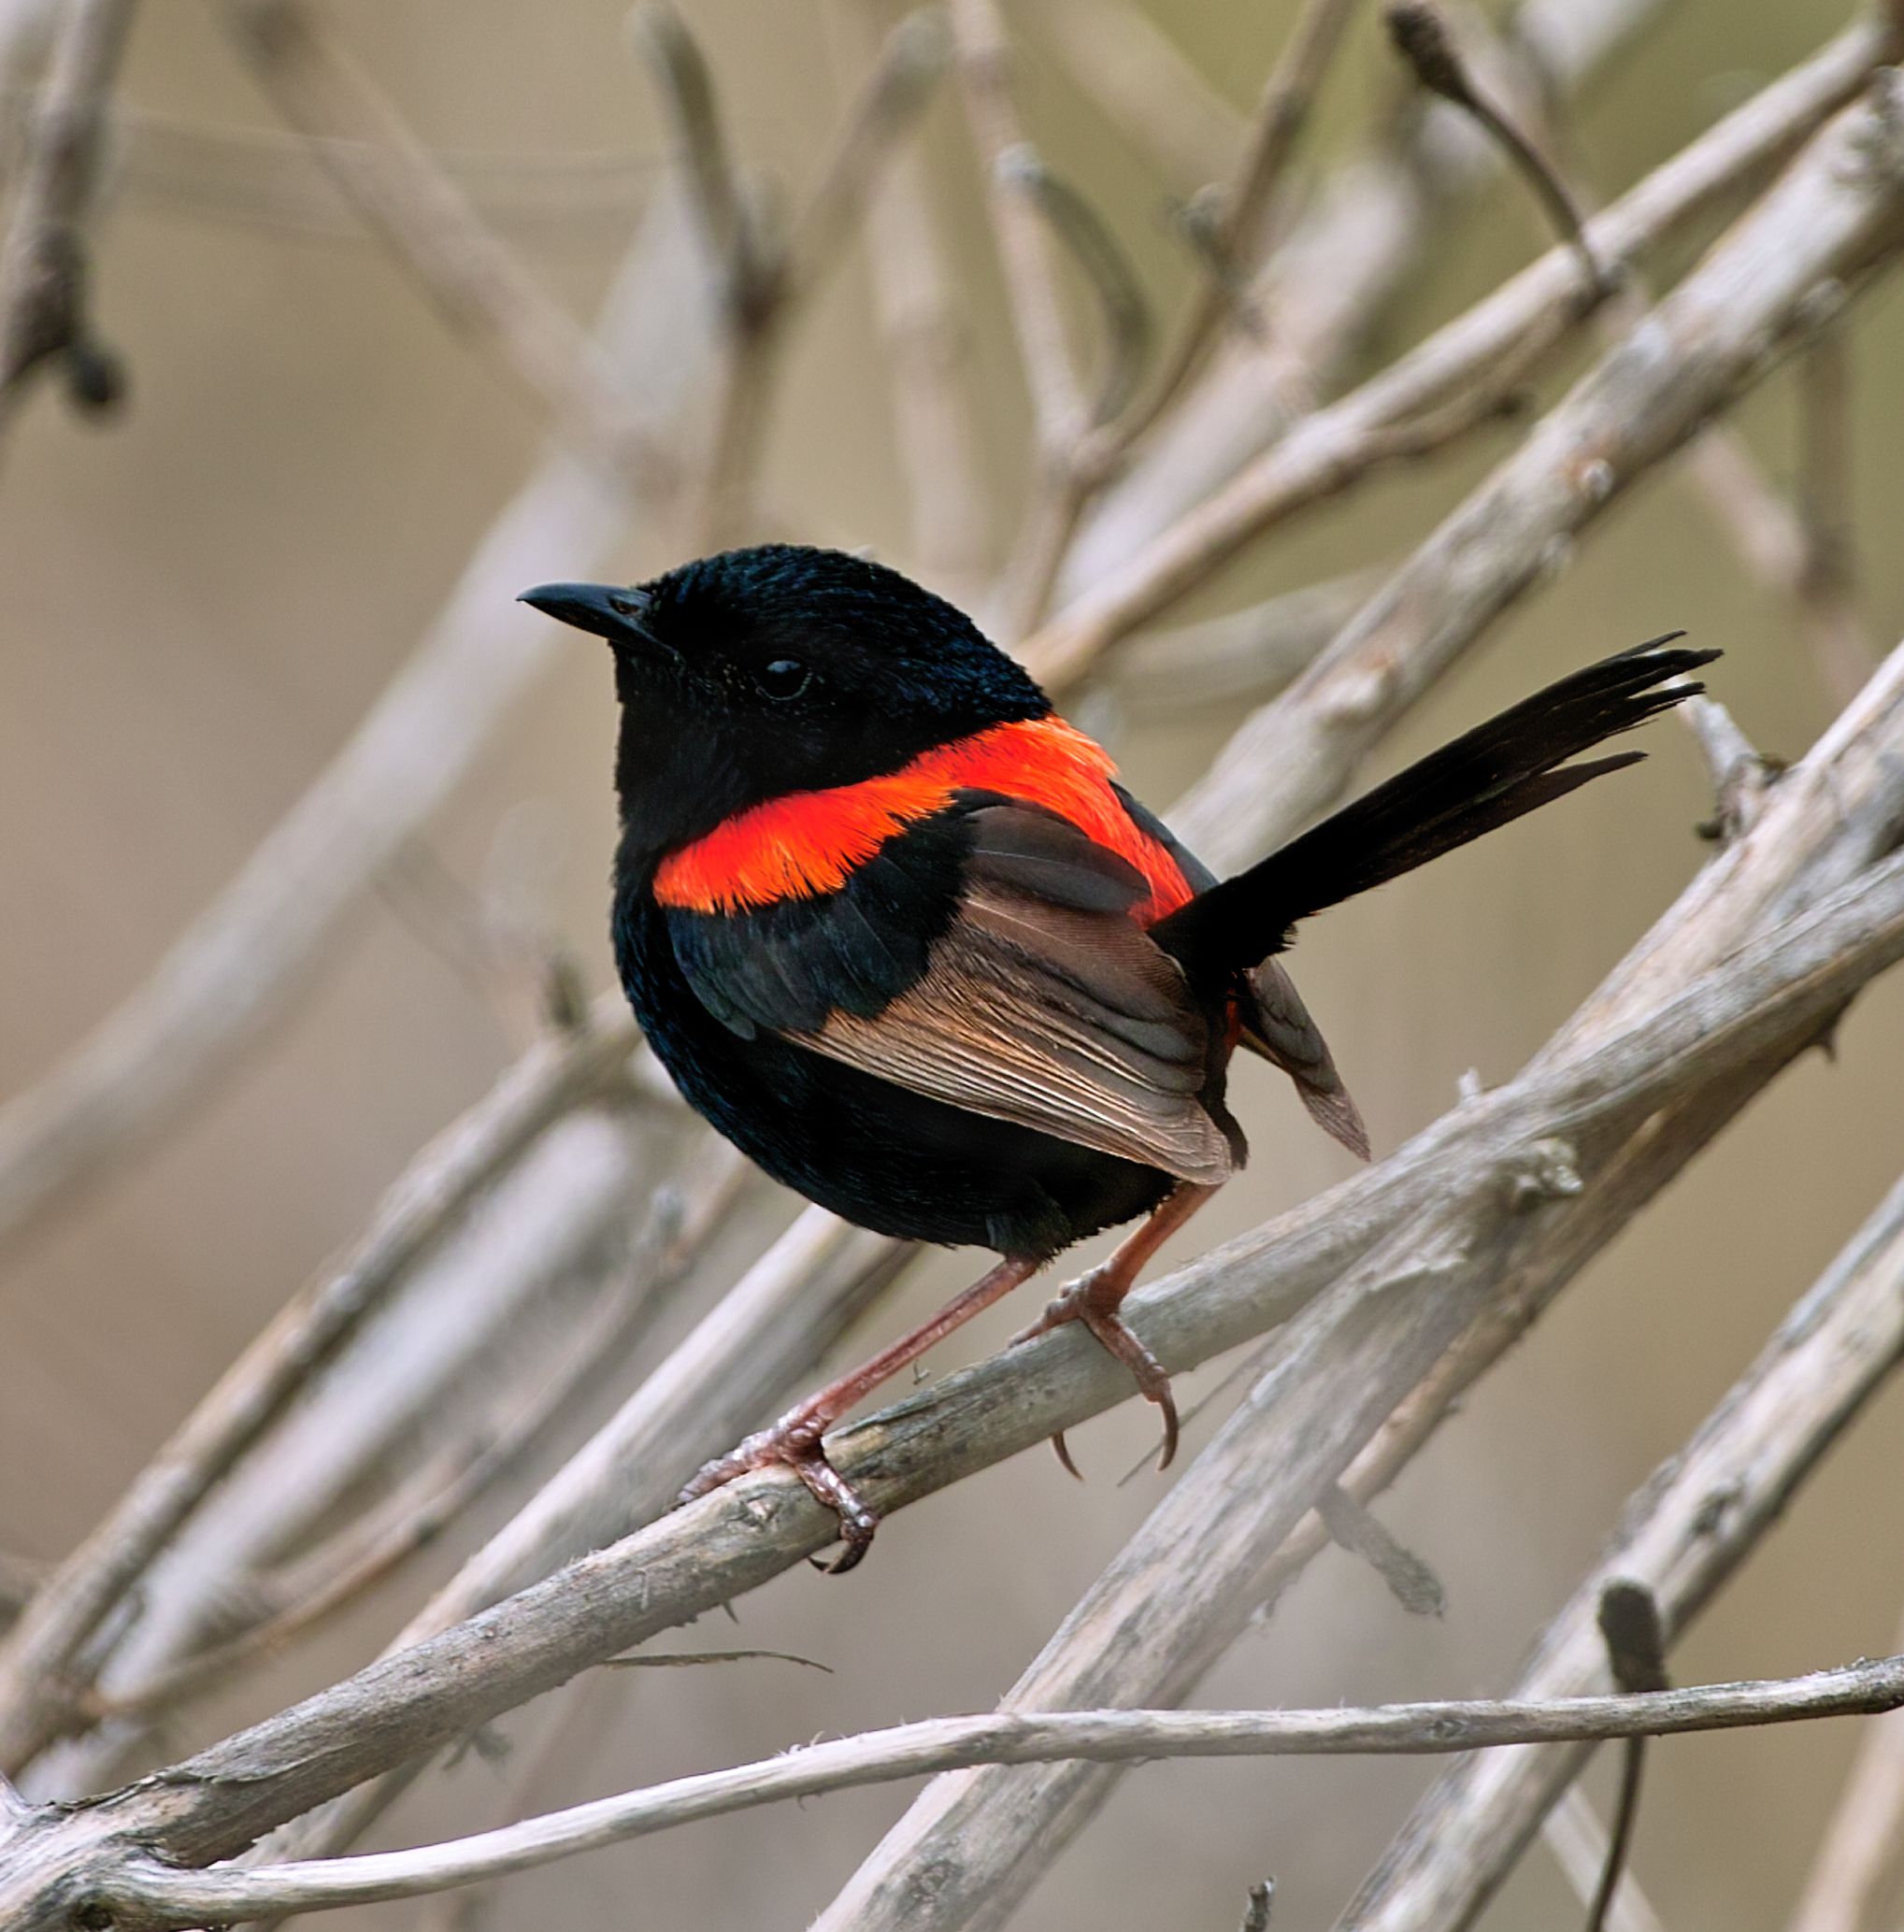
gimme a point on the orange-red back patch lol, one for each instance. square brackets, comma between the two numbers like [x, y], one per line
[811, 842]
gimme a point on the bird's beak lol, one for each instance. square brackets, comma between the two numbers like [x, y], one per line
[607, 610]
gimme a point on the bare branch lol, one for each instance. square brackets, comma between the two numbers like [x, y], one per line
[1837, 1345]
[1858, 1852]
[248, 954]
[1421, 36]
[43, 263]
[1330, 446]
[475, 280]
[1282, 114]
[1333, 281]
[140, 1892]
[1839, 206]
[928, 347]
[37, 1660]
[1024, 245]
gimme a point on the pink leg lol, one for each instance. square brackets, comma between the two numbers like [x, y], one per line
[795, 1441]
[1094, 1300]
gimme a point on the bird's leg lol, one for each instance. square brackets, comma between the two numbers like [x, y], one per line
[795, 1441]
[1094, 1300]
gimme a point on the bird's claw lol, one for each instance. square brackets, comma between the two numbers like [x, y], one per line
[794, 1443]
[1093, 1299]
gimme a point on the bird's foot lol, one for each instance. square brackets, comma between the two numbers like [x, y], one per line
[794, 1443]
[1094, 1300]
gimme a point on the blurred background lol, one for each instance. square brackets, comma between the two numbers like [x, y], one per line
[205, 594]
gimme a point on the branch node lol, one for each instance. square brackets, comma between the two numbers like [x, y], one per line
[1256, 1913]
[1544, 1170]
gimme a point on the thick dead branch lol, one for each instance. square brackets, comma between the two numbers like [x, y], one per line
[1683, 1535]
[44, 267]
[145, 1894]
[242, 963]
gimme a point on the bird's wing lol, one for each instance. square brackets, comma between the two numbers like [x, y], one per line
[989, 959]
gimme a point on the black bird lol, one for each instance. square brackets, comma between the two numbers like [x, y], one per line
[897, 930]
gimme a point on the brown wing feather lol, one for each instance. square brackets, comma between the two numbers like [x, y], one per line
[1055, 1017]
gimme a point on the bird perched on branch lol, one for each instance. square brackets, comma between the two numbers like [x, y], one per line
[897, 930]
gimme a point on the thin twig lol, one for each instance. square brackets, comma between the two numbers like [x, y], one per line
[1857, 1856]
[44, 267]
[140, 1892]
[1421, 36]
[39, 1658]
[1282, 113]
[1827, 583]
[1636, 1657]
[387, 173]
[245, 959]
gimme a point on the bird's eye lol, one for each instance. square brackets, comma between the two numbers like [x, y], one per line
[785, 677]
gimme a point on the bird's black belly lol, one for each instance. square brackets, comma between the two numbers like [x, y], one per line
[873, 1152]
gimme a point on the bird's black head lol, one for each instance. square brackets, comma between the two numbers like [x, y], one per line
[745, 676]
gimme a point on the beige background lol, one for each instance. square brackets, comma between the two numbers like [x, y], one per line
[202, 598]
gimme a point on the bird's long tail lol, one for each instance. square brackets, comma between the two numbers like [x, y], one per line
[1488, 776]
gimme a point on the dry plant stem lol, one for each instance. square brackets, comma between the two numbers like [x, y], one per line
[1682, 1534]
[927, 345]
[1579, 1843]
[1769, 997]
[42, 259]
[1839, 208]
[474, 280]
[329, 1585]
[1140, 1636]
[759, 1346]
[1139, 77]
[1282, 114]
[1857, 1856]
[143, 1895]
[1827, 605]
[763, 276]
[1024, 242]
[1339, 270]
[38, 1657]
[1250, 653]
[1325, 450]
[242, 964]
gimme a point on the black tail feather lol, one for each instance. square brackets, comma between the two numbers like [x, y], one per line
[1513, 763]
